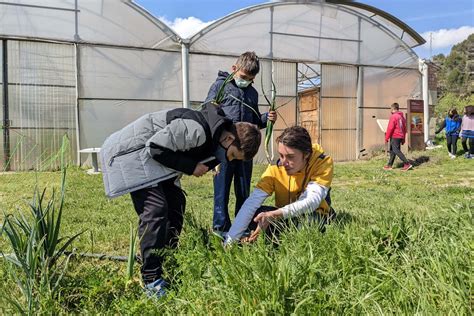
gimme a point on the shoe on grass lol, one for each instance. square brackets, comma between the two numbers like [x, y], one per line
[407, 167]
[156, 289]
[387, 167]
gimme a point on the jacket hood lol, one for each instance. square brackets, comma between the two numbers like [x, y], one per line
[222, 75]
[216, 120]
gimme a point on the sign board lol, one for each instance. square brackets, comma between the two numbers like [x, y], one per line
[415, 124]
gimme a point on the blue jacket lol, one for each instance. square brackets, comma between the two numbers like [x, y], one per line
[452, 125]
[237, 101]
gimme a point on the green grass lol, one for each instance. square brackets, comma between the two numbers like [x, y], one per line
[402, 244]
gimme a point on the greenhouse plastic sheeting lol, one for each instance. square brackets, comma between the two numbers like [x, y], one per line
[39, 149]
[203, 71]
[41, 63]
[118, 73]
[382, 87]
[380, 49]
[390, 26]
[99, 21]
[100, 118]
[42, 102]
[318, 32]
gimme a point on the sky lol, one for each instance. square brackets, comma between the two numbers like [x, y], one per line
[446, 22]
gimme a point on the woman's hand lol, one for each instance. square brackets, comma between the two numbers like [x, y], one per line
[264, 219]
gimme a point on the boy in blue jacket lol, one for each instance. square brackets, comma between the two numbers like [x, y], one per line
[452, 125]
[240, 104]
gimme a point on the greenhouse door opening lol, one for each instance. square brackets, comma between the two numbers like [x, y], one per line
[327, 107]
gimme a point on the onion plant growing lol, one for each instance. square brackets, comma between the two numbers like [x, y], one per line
[37, 261]
[221, 92]
[131, 253]
[269, 128]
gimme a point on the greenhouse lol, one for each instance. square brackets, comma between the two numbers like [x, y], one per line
[86, 68]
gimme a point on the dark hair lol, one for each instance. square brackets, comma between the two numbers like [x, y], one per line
[452, 112]
[247, 138]
[296, 137]
[469, 110]
[249, 63]
[395, 106]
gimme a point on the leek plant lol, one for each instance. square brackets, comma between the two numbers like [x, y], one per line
[221, 92]
[37, 264]
[131, 253]
[269, 128]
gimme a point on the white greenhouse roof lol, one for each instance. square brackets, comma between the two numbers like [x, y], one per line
[313, 31]
[109, 22]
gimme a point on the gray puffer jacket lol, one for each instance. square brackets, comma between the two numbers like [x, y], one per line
[159, 146]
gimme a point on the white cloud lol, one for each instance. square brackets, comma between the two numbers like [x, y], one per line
[186, 27]
[446, 38]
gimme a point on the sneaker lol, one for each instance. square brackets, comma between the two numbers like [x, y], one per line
[407, 167]
[452, 156]
[469, 156]
[156, 289]
[387, 167]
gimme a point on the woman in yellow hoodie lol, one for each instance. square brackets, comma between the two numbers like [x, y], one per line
[300, 180]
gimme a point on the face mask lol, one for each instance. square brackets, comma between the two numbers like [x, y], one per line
[221, 154]
[241, 83]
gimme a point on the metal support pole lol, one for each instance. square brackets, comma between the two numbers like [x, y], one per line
[426, 108]
[6, 115]
[77, 54]
[360, 111]
[185, 71]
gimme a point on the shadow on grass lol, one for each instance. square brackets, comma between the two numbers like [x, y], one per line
[343, 218]
[420, 160]
[416, 161]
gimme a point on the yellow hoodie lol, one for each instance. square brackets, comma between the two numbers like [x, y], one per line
[287, 188]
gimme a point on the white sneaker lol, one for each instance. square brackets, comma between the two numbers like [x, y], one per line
[451, 156]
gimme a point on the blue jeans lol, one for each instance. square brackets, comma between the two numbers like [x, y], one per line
[241, 172]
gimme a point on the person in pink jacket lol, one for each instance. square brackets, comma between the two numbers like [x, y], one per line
[467, 131]
[396, 131]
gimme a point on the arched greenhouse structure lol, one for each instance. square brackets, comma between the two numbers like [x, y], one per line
[86, 68]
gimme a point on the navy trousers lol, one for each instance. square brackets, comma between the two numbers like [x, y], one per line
[239, 171]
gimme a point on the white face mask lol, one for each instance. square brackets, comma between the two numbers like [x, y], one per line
[241, 83]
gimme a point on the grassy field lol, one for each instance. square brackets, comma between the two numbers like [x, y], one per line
[402, 245]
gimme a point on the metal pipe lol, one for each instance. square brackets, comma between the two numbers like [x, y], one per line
[77, 67]
[185, 71]
[6, 115]
[426, 95]
[360, 111]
